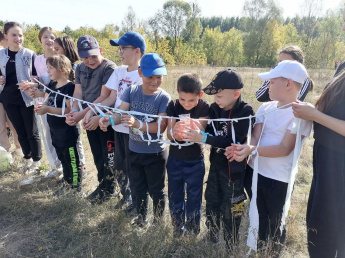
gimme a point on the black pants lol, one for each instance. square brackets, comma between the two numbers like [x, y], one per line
[24, 121]
[270, 201]
[326, 204]
[122, 165]
[102, 148]
[224, 201]
[148, 171]
[248, 179]
[69, 157]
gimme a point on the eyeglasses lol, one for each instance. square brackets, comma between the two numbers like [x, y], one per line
[122, 49]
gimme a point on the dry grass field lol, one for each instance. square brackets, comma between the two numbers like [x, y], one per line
[34, 223]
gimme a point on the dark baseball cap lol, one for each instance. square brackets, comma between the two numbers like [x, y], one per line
[152, 64]
[130, 38]
[226, 79]
[88, 46]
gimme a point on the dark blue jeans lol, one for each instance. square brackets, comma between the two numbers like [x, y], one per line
[185, 177]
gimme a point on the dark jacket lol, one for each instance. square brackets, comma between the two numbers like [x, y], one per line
[223, 129]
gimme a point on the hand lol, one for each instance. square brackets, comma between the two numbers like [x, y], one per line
[88, 116]
[305, 111]
[31, 92]
[193, 136]
[129, 121]
[229, 152]
[92, 123]
[240, 152]
[26, 86]
[73, 118]
[103, 123]
[179, 130]
[2, 80]
[41, 109]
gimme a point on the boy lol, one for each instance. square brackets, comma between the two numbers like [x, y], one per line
[132, 47]
[224, 192]
[186, 166]
[275, 149]
[90, 78]
[146, 162]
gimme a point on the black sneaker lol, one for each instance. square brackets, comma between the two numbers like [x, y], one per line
[65, 189]
[140, 223]
[131, 211]
[94, 195]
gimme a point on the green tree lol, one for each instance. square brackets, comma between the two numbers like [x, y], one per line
[129, 22]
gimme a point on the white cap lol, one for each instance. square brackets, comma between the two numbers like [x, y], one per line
[288, 69]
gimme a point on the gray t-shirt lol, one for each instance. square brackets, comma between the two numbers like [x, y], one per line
[149, 104]
[91, 80]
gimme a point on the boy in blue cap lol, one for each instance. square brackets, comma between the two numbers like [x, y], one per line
[146, 162]
[132, 47]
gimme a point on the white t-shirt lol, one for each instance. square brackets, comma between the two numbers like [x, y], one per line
[276, 125]
[41, 68]
[120, 80]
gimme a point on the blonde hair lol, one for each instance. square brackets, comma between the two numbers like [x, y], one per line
[61, 62]
[44, 29]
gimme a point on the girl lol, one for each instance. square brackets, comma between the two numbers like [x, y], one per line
[4, 139]
[326, 204]
[47, 36]
[17, 65]
[65, 46]
[64, 137]
[287, 53]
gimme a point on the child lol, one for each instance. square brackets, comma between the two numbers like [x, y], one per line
[47, 36]
[185, 166]
[146, 162]
[224, 192]
[4, 137]
[90, 79]
[17, 65]
[65, 46]
[275, 148]
[64, 137]
[326, 209]
[132, 47]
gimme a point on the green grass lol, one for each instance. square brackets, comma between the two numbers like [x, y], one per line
[34, 223]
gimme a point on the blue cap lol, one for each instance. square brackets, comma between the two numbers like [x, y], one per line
[152, 64]
[130, 38]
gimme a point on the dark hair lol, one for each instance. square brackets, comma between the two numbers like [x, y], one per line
[9, 25]
[44, 29]
[190, 83]
[69, 47]
[334, 92]
[2, 37]
[60, 62]
[295, 52]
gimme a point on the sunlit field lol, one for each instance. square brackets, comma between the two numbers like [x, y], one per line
[34, 223]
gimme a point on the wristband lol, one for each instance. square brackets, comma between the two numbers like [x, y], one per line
[75, 110]
[254, 151]
[205, 136]
[111, 120]
[140, 124]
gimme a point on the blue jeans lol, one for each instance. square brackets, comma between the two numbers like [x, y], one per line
[185, 176]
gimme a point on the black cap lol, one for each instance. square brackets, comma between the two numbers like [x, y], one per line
[88, 46]
[226, 79]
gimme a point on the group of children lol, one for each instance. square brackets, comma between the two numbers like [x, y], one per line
[126, 144]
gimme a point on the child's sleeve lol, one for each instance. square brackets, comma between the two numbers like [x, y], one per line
[259, 119]
[126, 96]
[306, 126]
[164, 104]
[108, 72]
[77, 74]
[113, 83]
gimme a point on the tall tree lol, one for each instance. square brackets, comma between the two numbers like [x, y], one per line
[129, 22]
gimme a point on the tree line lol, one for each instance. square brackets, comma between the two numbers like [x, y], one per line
[182, 36]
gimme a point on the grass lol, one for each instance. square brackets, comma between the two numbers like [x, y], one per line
[34, 223]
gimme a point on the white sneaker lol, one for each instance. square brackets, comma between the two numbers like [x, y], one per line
[54, 172]
[27, 164]
[33, 169]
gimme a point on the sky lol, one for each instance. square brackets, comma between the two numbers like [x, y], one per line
[97, 14]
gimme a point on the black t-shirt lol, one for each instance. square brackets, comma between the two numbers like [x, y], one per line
[11, 93]
[62, 134]
[194, 151]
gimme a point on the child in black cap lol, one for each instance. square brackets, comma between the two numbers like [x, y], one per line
[224, 192]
